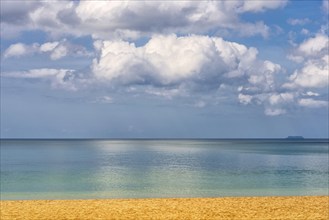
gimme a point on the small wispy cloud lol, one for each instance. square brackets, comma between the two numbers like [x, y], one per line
[312, 103]
[296, 21]
[55, 50]
[105, 99]
[58, 78]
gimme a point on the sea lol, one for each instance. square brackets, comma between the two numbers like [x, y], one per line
[162, 168]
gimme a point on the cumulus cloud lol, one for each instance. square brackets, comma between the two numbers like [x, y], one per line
[59, 52]
[314, 74]
[17, 50]
[132, 19]
[24, 15]
[314, 46]
[49, 46]
[245, 99]
[281, 98]
[170, 66]
[262, 76]
[169, 60]
[47, 17]
[56, 50]
[17, 12]
[315, 71]
[275, 103]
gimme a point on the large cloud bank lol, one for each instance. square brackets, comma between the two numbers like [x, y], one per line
[176, 66]
[168, 60]
[178, 57]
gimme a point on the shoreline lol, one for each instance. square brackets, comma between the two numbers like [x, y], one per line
[273, 207]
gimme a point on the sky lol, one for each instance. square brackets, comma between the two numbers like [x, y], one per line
[164, 69]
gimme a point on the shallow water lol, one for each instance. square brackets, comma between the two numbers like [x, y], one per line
[78, 169]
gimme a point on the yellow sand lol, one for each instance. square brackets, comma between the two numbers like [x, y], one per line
[306, 207]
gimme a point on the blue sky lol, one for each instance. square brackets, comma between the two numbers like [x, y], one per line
[171, 69]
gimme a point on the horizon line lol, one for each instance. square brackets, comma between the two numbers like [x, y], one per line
[168, 138]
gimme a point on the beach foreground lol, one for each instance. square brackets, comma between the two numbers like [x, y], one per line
[299, 207]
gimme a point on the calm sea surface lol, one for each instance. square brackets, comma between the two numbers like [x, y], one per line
[80, 169]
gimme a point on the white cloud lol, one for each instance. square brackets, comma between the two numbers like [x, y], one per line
[49, 17]
[274, 112]
[24, 15]
[16, 50]
[35, 73]
[255, 5]
[17, 12]
[260, 5]
[166, 60]
[262, 75]
[251, 29]
[275, 103]
[59, 78]
[315, 45]
[59, 52]
[296, 21]
[304, 31]
[314, 74]
[311, 103]
[310, 93]
[132, 19]
[49, 46]
[105, 99]
[169, 66]
[312, 54]
[295, 58]
[165, 92]
[56, 50]
[280, 98]
[245, 99]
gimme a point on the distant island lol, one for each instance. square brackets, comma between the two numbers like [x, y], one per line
[295, 137]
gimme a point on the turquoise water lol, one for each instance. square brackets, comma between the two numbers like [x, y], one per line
[80, 169]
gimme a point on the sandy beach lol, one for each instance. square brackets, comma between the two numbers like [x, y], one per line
[303, 207]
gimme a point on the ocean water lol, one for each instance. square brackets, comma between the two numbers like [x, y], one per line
[89, 169]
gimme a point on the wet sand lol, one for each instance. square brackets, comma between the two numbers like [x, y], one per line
[303, 207]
